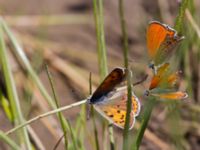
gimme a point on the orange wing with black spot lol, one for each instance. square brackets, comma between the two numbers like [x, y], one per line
[116, 112]
[161, 40]
[115, 77]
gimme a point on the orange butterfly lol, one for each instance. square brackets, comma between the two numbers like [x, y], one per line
[111, 101]
[163, 84]
[161, 41]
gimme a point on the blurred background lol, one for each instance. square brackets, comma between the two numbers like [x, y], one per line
[62, 34]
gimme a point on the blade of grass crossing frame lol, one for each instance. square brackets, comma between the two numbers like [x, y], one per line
[9, 141]
[27, 66]
[151, 102]
[57, 105]
[93, 117]
[129, 77]
[180, 17]
[101, 48]
[12, 92]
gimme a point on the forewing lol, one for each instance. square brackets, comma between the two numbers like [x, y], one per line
[115, 77]
[156, 34]
[167, 47]
[161, 40]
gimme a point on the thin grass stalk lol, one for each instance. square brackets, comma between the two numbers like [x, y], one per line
[150, 104]
[180, 18]
[12, 92]
[93, 117]
[57, 105]
[27, 66]
[49, 113]
[72, 136]
[101, 47]
[129, 87]
[10, 142]
[101, 39]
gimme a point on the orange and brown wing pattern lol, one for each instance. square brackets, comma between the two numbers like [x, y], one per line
[116, 110]
[156, 34]
[115, 77]
[117, 116]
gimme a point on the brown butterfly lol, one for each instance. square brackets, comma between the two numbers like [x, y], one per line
[111, 101]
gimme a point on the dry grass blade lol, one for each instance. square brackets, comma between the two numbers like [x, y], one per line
[48, 20]
[67, 70]
[192, 22]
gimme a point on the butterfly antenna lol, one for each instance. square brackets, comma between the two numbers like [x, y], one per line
[142, 80]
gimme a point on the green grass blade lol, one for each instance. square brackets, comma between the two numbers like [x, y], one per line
[150, 104]
[179, 19]
[57, 105]
[12, 92]
[101, 46]
[129, 77]
[6, 106]
[27, 66]
[93, 117]
[9, 141]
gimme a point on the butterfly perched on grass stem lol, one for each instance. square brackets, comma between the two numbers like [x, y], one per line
[161, 41]
[110, 100]
[163, 84]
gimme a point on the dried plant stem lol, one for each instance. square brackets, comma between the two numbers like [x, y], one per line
[45, 115]
[47, 20]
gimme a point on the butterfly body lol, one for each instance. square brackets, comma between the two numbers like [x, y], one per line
[111, 102]
[163, 84]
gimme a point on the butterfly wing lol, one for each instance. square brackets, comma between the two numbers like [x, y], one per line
[157, 78]
[115, 109]
[173, 79]
[172, 95]
[115, 77]
[161, 40]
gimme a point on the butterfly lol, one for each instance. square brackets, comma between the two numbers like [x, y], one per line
[164, 82]
[161, 41]
[110, 99]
